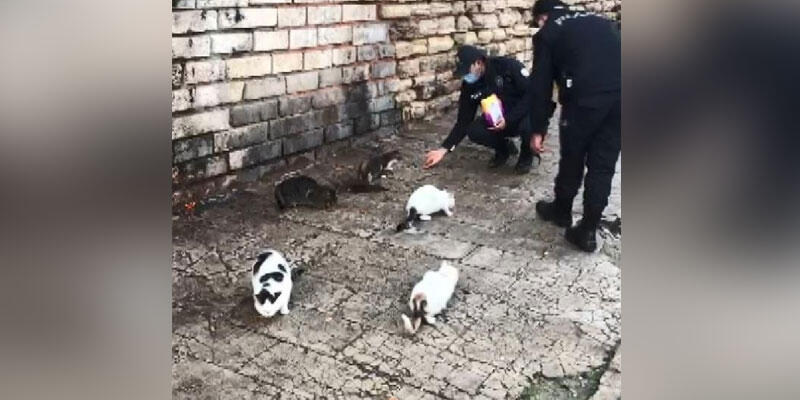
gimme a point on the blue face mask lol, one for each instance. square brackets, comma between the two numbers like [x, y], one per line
[470, 78]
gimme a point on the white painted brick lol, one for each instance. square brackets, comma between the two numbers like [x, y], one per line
[246, 67]
[247, 18]
[330, 77]
[260, 88]
[358, 12]
[181, 100]
[295, 16]
[191, 47]
[267, 41]
[194, 21]
[370, 33]
[204, 71]
[299, 38]
[396, 10]
[344, 55]
[302, 82]
[225, 43]
[334, 35]
[316, 59]
[324, 15]
[221, 3]
[197, 124]
[287, 62]
[218, 93]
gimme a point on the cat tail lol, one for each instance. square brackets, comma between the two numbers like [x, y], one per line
[408, 223]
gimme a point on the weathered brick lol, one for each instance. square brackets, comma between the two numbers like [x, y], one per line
[338, 132]
[334, 34]
[193, 21]
[260, 88]
[380, 104]
[305, 141]
[287, 62]
[202, 168]
[439, 44]
[247, 18]
[367, 53]
[257, 2]
[246, 67]
[189, 149]
[221, 3]
[408, 68]
[324, 15]
[485, 21]
[295, 16]
[465, 38]
[302, 82]
[241, 137]
[316, 59]
[406, 96]
[177, 75]
[446, 25]
[370, 33]
[358, 12]
[217, 93]
[440, 8]
[382, 69]
[427, 26]
[291, 105]
[396, 10]
[391, 117]
[385, 50]
[463, 24]
[299, 38]
[274, 40]
[191, 47]
[225, 43]
[499, 34]
[330, 77]
[329, 97]
[293, 124]
[254, 155]
[200, 123]
[182, 4]
[356, 73]
[181, 100]
[488, 6]
[485, 36]
[254, 112]
[344, 55]
[394, 85]
[205, 71]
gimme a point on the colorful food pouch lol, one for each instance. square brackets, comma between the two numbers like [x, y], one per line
[492, 109]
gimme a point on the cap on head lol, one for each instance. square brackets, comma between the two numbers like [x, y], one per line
[546, 6]
[465, 56]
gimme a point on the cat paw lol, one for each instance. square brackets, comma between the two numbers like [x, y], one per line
[448, 212]
[284, 311]
[424, 217]
[430, 320]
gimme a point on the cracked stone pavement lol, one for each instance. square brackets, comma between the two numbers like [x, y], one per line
[527, 304]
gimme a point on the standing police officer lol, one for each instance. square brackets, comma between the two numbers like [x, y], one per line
[581, 52]
[483, 76]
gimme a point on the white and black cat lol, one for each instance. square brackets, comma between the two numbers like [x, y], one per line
[272, 283]
[425, 201]
[430, 296]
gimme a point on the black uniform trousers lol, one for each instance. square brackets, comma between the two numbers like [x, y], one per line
[479, 133]
[590, 137]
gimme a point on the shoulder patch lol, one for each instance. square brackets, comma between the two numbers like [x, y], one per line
[524, 72]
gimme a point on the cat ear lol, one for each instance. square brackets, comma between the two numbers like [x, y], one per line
[261, 258]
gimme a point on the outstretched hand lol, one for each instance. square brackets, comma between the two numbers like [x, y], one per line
[433, 157]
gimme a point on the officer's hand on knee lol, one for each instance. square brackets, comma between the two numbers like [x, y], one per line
[433, 157]
[537, 143]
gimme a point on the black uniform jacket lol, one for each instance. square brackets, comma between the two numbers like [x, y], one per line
[581, 52]
[508, 79]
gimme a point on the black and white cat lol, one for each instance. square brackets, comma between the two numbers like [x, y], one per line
[272, 283]
[425, 201]
[430, 296]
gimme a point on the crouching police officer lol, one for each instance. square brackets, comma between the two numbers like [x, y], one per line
[581, 52]
[483, 76]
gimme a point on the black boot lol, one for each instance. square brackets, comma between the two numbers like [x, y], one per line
[502, 155]
[584, 234]
[525, 162]
[557, 211]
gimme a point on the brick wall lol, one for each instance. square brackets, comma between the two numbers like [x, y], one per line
[257, 83]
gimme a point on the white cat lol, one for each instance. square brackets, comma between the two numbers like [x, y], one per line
[425, 201]
[430, 296]
[272, 283]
